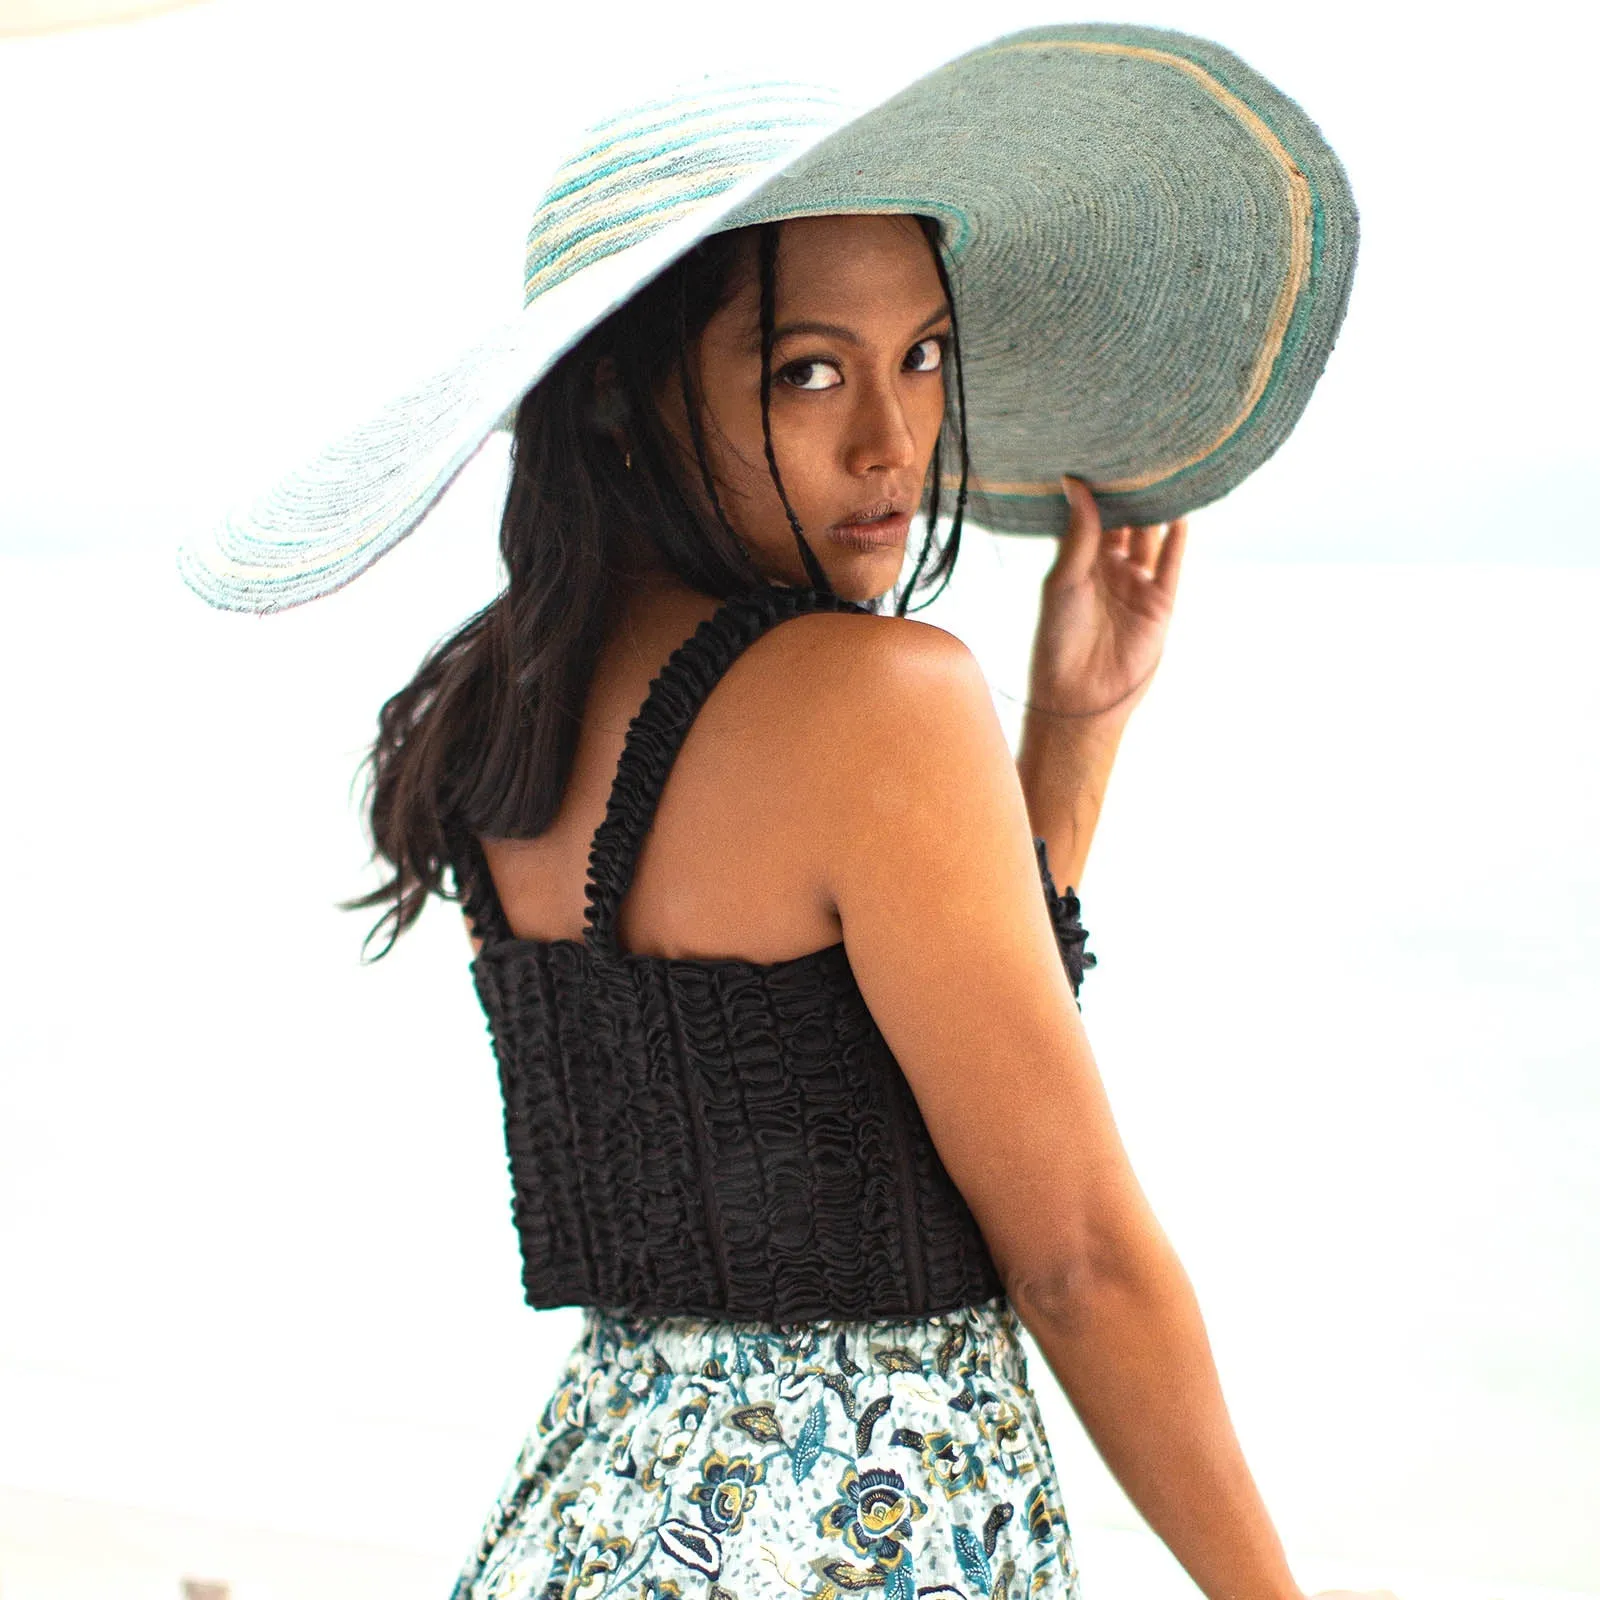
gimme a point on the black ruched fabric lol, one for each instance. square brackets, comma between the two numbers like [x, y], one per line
[715, 1138]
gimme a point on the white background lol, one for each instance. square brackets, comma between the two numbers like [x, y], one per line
[256, 1265]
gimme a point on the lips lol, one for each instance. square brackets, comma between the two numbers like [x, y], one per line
[878, 533]
[878, 511]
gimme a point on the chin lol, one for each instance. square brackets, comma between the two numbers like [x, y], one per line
[867, 578]
[859, 575]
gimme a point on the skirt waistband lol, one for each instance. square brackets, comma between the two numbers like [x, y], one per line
[983, 1339]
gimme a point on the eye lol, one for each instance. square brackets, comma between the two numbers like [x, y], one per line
[932, 353]
[805, 375]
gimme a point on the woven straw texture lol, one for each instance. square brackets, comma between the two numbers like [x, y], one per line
[1151, 250]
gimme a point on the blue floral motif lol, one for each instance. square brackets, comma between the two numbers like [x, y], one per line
[1001, 1421]
[974, 1563]
[808, 1447]
[619, 1459]
[873, 1515]
[726, 1490]
[657, 1588]
[598, 1564]
[1044, 1513]
[626, 1392]
[680, 1433]
[954, 1465]
[568, 1515]
[691, 1544]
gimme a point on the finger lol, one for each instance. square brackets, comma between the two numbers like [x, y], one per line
[1171, 557]
[1080, 544]
[1143, 542]
[1116, 541]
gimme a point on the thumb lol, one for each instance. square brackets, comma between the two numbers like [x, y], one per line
[1080, 542]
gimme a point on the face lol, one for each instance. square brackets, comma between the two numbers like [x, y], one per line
[858, 395]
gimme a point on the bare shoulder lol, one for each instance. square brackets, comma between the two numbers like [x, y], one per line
[895, 702]
[890, 727]
[845, 635]
[821, 683]
[856, 666]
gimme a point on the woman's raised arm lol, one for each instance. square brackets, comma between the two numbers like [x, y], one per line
[1104, 607]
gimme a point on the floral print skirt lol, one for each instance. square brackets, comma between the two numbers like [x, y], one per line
[689, 1459]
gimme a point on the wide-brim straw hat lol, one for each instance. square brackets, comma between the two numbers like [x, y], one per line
[1149, 246]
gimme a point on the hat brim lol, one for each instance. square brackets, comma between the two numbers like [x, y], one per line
[324, 523]
[1151, 251]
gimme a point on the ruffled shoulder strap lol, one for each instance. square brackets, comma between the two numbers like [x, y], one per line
[654, 736]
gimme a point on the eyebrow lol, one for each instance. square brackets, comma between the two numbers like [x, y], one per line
[834, 330]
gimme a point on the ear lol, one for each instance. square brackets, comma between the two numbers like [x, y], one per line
[610, 410]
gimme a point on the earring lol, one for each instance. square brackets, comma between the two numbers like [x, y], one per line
[627, 460]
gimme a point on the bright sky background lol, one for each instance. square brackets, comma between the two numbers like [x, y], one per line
[255, 1257]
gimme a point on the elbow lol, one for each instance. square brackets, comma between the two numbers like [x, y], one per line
[1056, 1286]
[1043, 1293]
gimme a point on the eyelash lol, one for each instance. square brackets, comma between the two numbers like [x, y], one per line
[940, 339]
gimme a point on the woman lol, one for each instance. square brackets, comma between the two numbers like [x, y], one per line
[798, 1101]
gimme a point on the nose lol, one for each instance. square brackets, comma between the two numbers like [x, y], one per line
[880, 431]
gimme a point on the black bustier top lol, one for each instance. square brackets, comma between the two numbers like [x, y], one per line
[714, 1138]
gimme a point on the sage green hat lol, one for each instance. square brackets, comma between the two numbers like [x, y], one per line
[1150, 250]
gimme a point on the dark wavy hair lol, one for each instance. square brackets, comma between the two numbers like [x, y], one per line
[481, 741]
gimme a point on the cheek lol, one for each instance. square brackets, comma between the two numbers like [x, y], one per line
[741, 452]
[931, 414]
[808, 439]
[813, 444]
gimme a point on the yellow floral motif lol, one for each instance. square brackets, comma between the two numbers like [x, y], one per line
[895, 1359]
[569, 1405]
[675, 1441]
[953, 1465]
[873, 1514]
[627, 1391]
[1001, 1422]
[759, 1421]
[599, 1563]
[1044, 1514]
[569, 1512]
[620, 1457]
[726, 1490]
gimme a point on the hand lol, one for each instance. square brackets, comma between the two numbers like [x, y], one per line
[1103, 612]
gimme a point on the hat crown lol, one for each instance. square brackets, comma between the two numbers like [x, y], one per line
[636, 173]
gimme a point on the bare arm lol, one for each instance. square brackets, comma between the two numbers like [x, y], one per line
[1127, 1343]
[1064, 767]
[935, 882]
[1104, 608]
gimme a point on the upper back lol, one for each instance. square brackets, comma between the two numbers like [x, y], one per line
[734, 863]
